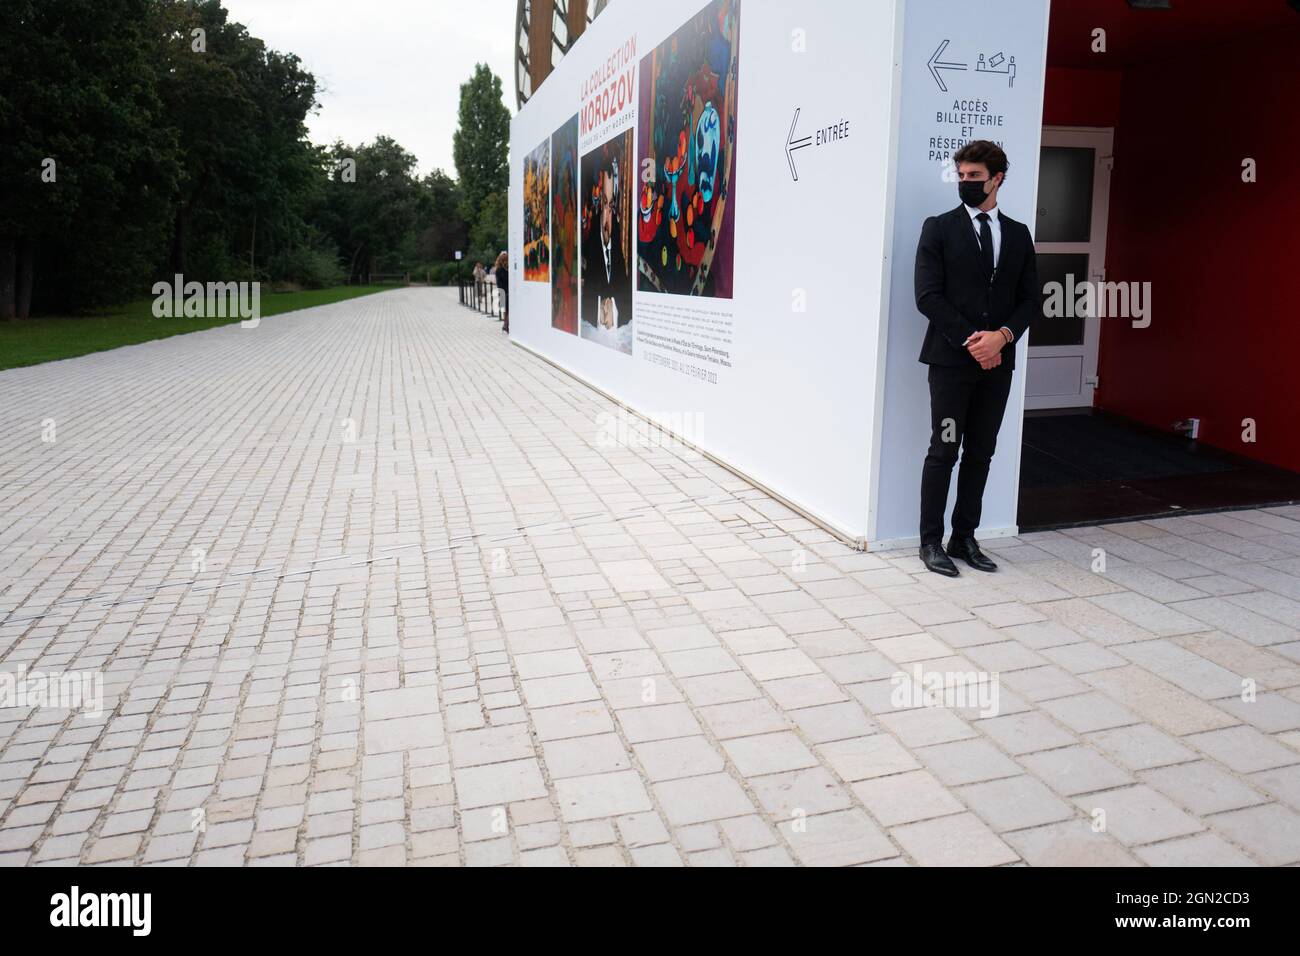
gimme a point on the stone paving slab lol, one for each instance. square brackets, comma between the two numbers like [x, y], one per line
[368, 585]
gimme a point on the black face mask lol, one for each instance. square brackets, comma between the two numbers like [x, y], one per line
[972, 192]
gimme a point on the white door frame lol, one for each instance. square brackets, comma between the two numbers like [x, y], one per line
[1101, 140]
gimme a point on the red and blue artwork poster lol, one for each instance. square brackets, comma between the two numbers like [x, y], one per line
[564, 228]
[687, 134]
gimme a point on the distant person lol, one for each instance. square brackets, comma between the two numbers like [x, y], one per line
[502, 275]
[977, 283]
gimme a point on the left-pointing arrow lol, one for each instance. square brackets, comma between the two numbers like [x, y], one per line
[792, 144]
[936, 64]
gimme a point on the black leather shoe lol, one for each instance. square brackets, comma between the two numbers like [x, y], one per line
[968, 549]
[934, 559]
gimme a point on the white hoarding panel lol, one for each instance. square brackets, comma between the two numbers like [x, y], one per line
[698, 206]
[969, 70]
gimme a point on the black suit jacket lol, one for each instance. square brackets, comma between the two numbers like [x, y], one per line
[619, 284]
[954, 293]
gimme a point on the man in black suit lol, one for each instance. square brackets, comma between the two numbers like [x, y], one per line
[607, 282]
[977, 283]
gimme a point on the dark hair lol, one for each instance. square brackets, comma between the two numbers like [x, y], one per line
[983, 151]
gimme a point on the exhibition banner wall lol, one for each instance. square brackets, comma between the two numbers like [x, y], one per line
[698, 202]
[714, 212]
[968, 70]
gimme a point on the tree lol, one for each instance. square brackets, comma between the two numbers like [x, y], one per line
[372, 205]
[88, 161]
[481, 145]
[240, 115]
[142, 138]
[490, 234]
[446, 232]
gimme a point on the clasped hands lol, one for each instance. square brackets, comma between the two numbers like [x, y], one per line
[986, 348]
[608, 313]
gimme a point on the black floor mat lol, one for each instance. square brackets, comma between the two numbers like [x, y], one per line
[1079, 469]
[1066, 449]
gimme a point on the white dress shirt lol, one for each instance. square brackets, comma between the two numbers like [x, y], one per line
[995, 224]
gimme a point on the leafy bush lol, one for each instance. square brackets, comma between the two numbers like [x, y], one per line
[449, 273]
[307, 267]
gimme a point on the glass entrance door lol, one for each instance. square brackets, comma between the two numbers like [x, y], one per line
[1070, 237]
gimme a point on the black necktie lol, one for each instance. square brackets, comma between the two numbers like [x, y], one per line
[986, 243]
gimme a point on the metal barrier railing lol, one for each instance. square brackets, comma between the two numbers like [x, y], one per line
[483, 297]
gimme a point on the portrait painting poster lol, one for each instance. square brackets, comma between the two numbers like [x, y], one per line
[564, 228]
[607, 183]
[687, 136]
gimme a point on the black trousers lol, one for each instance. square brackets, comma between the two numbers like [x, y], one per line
[966, 408]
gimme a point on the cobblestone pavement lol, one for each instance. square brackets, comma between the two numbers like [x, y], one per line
[366, 585]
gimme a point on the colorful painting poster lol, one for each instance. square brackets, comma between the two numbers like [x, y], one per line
[537, 214]
[687, 134]
[607, 250]
[564, 228]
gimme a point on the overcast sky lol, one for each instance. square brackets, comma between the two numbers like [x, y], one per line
[391, 67]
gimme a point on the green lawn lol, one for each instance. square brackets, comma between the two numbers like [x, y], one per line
[49, 338]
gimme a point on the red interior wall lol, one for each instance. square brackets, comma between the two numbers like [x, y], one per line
[1222, 256]
[1082, 97]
